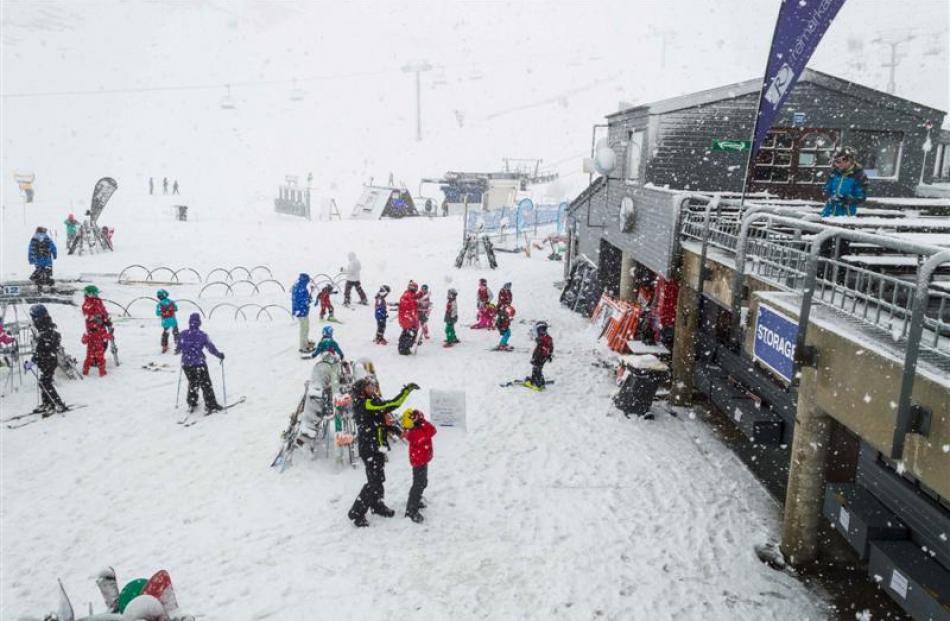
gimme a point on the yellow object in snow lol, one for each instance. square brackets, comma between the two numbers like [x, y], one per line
[407, 419]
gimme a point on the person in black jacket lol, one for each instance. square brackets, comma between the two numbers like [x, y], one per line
[45, 352]
[373, 430]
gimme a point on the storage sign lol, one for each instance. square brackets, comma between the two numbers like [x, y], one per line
[774, 344]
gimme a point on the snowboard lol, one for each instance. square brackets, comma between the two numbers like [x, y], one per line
[490, 252]
[34, 417]
[129, 592]
[113, 348]
[289, 436]
[64, 611]
[192, 418]
[160, 587]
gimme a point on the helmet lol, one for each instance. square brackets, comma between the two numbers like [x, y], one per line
[412, 285]
[425, 287]
[161, 294]
[406, 419]
[328, 331]
[453, 293]
[91, 290]
[482, 281]
[38, 311]
[539, 329]
[385, 289]
[507, 285]
[72, 217]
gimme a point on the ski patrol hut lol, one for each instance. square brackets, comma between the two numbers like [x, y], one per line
[380, 201]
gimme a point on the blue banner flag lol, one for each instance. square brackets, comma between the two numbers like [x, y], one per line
[801, 25]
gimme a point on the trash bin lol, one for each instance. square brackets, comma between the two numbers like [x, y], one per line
[641, 377]
[182, 213]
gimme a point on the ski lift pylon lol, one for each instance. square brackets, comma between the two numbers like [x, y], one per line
[227, 102]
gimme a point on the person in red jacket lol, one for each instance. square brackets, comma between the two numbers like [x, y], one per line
[326, 305]
[408, 318]
[419, 435]
[543, 352]
[95, 339]
[94, 310]
[485, 308]
[504, 295]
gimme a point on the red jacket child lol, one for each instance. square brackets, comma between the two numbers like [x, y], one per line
[420, 440]
[95, 339]
[408, 308]
[326, 305]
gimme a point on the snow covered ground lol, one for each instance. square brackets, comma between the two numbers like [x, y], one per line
[549, 506]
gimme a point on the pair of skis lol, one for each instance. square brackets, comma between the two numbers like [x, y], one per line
[194, 417]
[527, 384]
[22, 420]
[288, 439]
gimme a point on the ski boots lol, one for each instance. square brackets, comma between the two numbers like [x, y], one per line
[43, 408]
[211, 409]
[381, 341]
[359, 521]
[415, 516]
[383, 510]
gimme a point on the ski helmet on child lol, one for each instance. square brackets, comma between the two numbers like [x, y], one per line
[482, 281]
[412, 285]
[407, 418]
[453, 293]
[38, 311]
[539, 329]
[328, 331]
[425, 287]
[507, 285]
[161, 294]
[91, 290]
[385, 289]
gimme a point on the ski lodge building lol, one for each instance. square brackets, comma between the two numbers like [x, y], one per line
[820, 347]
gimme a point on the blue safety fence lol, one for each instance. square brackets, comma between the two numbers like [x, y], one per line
[525, 215]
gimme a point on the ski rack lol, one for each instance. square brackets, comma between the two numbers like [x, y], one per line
[228, 273]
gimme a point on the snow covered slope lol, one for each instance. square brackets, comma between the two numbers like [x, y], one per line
[549, 506]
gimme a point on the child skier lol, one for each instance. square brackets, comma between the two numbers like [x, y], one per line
[423, 308]
[94, 310]
[41, 254]
[419, 435]
[166, 309]
[327, 344]
[326, 305]
[451, 317]
[504, 296]
[191, 345]
[45, 352]
[543, 352]
[96, 339]
[503, 323]
[408, 318]
[72, 227]
[484, 305]
[381, 313]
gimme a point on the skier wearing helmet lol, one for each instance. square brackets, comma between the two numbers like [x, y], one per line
[504, 295]
[45, 352]
[41, 253]
[485, 307]
[327, 344]
[166, 309]
[381, 313]
[374, 426]
[72, 227]
[543, 352]
[408, 318]
[93, 308]
[451, 318]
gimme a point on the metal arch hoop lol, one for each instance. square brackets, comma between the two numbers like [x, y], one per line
[240, 309]
[193, 303]
[188, 269]
[128, 267]
[267, 306]
[277, 282]
[217, 306]
[159, 269]
[263, 310]
[236, 268]
[125, 310]
[262, 267]
[141, 297]
[217, 282]
[250, 282]
[217, 269]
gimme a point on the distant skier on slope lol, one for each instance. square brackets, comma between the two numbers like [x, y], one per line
[352, 273]
[374, 427]
[96, 339]
[191, 345]
[381, 313]
[326, 304]
[543, 353]
[166, 309]
[451, 317]
[300, 300]
[408, 318]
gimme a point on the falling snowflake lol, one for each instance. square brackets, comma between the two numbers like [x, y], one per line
[901, 468]
[864, 615]
[867, 398]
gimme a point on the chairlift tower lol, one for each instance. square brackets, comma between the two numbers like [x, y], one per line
[895, 57]
[417, 68]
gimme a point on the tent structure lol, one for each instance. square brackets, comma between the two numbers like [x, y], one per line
[381, 201]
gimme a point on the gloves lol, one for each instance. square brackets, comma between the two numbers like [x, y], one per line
[28, 365]
[221, 356]
[411, 386]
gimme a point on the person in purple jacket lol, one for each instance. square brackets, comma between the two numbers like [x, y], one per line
[191, 345]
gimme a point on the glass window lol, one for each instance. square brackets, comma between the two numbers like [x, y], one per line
[878, 152]
[795, 155]
[634, 154]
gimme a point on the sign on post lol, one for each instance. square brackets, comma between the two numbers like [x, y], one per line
[774, 344]
[447, 408]
[731, 145]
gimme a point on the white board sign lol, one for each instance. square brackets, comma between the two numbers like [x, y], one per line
[899, 584]
[447, 408]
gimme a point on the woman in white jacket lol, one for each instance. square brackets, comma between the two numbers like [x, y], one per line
[352, 272]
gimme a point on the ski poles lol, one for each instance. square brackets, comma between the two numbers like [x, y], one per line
[39, 384]
[224, 386]
[178, 393]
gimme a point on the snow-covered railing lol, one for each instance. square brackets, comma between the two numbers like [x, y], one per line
[793, 251]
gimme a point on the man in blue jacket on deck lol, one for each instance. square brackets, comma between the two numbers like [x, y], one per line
[847, 187]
